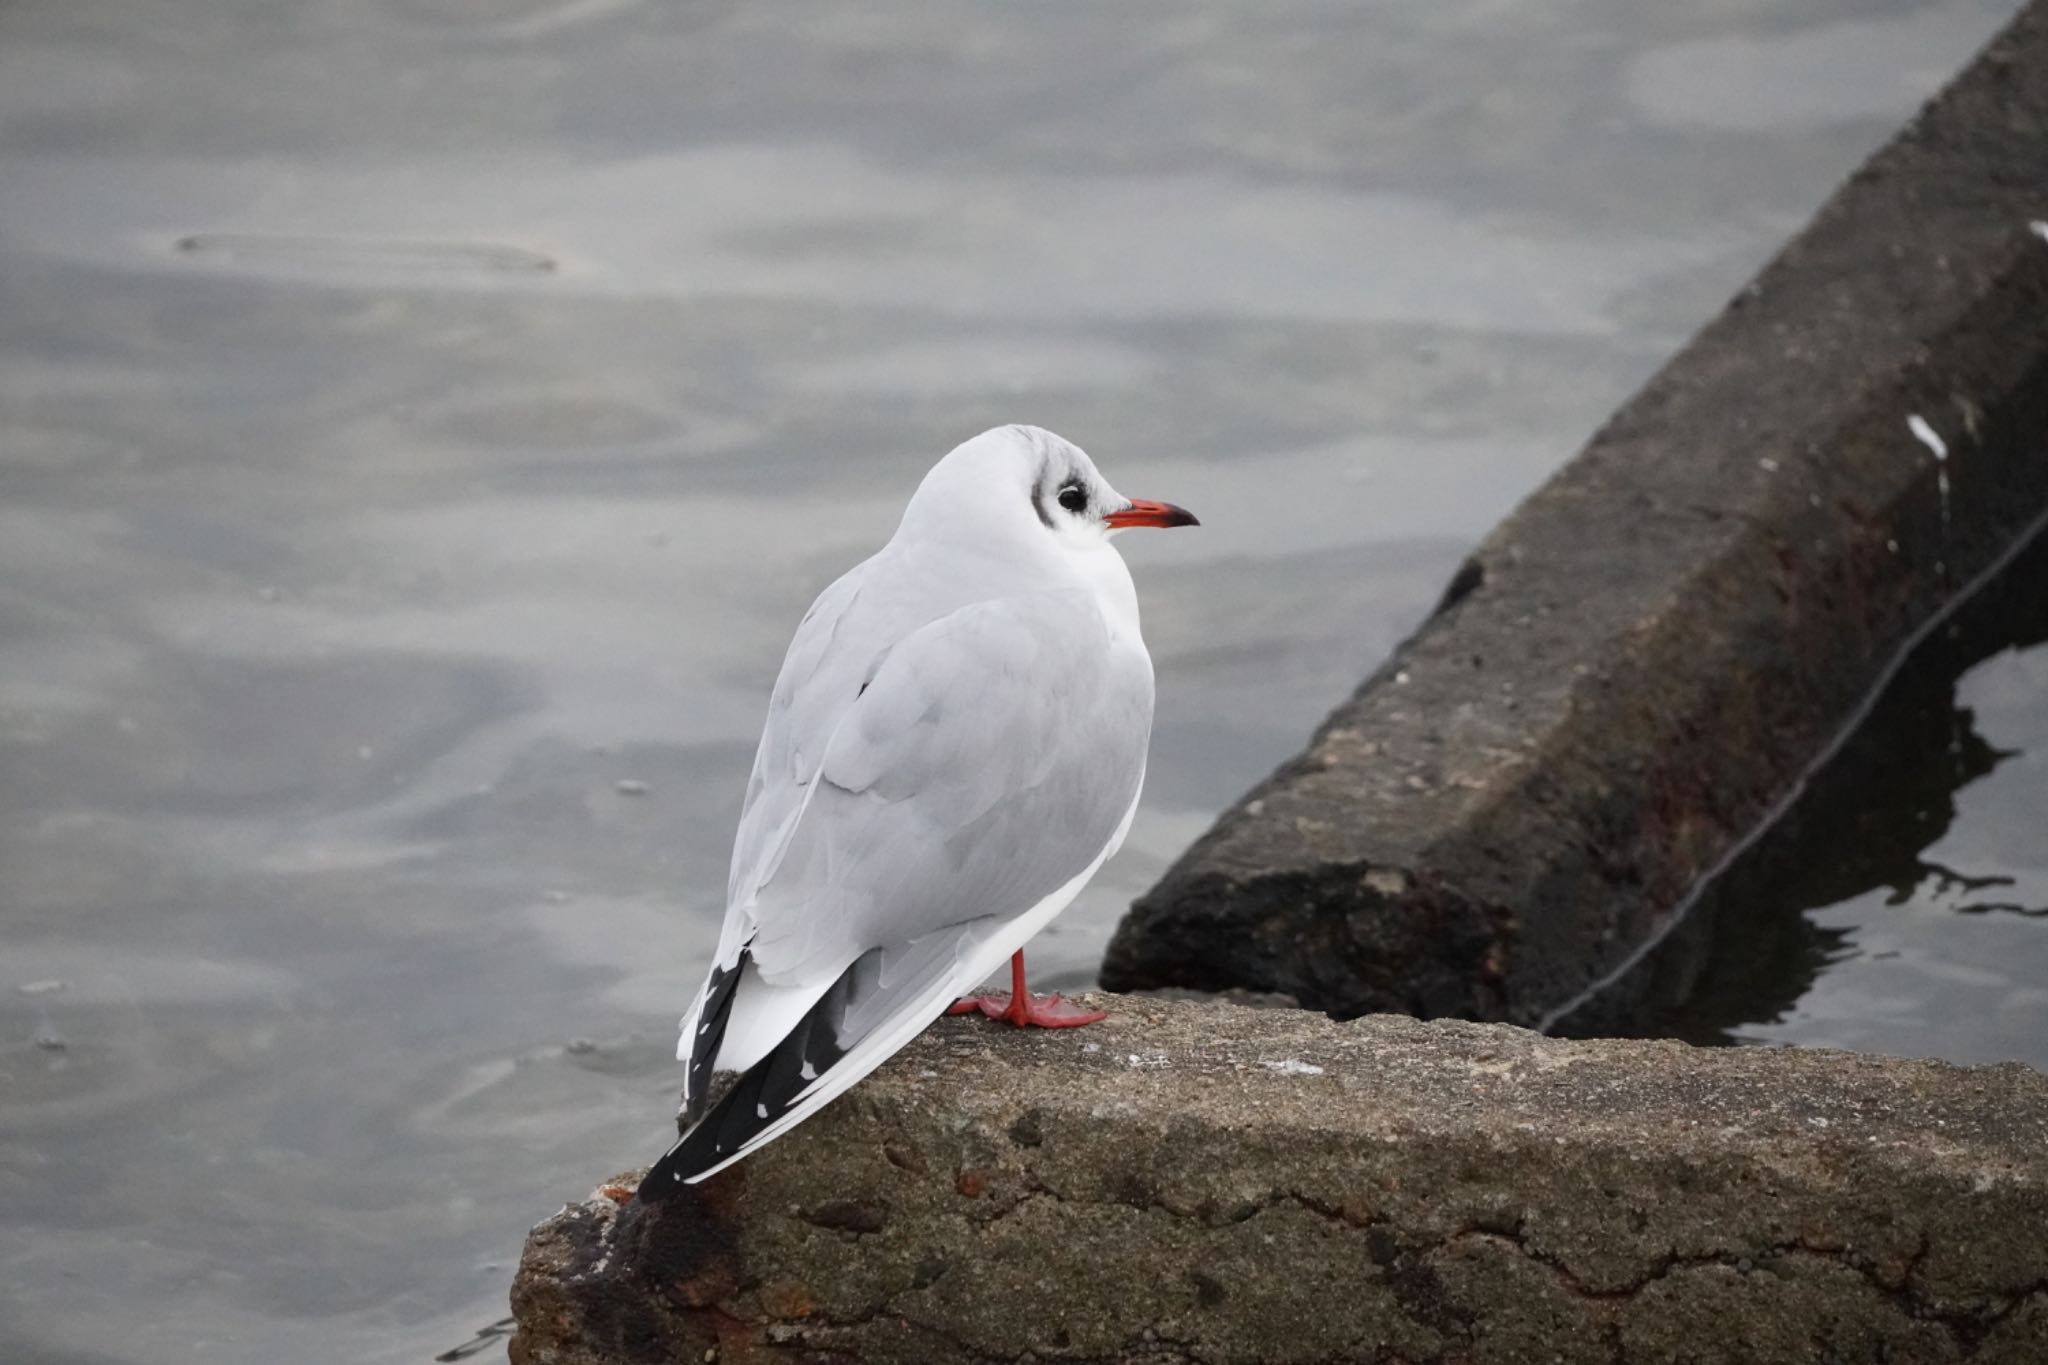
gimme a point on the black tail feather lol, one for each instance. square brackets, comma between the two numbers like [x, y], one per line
[766, 1091]
[718, 993]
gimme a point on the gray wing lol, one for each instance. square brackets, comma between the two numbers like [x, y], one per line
[821, 666]
[823, 671]
[912, 798]
[983, 762]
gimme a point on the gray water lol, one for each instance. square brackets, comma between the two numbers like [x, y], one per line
[422, 422]
[1949, 957]
[1901, 906]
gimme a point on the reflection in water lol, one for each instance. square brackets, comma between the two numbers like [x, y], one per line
[1889, 911]
[385, 619]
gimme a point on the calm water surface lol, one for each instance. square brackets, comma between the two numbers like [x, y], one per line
[1902, 905]
[422, 423]
[1946, 954]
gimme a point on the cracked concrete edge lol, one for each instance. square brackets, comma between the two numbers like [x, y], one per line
[1202, 1182]
[1639, 665]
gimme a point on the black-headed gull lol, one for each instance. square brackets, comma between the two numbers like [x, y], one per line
[954, 746]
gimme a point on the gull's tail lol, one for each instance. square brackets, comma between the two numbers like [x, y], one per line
[868, 1013]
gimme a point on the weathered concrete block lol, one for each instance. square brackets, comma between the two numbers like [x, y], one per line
[1200, 1182]
[1638, 667]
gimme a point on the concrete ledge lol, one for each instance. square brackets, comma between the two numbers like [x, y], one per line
[1639, 666]
[1201, 1182]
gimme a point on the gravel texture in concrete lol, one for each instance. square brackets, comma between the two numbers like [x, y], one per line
[1203, 1182]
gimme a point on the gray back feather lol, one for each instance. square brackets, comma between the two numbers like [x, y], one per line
[967, 757]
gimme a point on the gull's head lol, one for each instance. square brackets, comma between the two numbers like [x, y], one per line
[1024, 484]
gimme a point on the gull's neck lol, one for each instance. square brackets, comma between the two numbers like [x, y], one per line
[1106, 574]
[967, 569]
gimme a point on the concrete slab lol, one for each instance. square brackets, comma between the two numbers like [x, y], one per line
[1202, 1182]
[1638, 668]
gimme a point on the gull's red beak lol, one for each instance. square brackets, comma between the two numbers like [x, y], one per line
[1145, 512]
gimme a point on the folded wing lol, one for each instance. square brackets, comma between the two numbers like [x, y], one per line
[975, 771]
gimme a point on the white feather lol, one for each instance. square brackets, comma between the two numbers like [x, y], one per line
[954, 745]
[915, 1015]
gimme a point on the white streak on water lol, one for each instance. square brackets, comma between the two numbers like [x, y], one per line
[2040, 229]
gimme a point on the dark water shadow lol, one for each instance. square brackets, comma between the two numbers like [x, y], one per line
[1748, 951]
[486, 1339]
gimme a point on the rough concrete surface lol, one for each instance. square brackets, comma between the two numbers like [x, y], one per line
[1639, 666]
[1201, 1182]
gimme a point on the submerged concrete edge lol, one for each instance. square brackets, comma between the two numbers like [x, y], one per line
[1200, 1182]
[1634, 670]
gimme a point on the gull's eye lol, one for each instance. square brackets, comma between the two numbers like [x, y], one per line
[1074, 498]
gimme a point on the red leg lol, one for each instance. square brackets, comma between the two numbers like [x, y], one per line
[1023, 1009]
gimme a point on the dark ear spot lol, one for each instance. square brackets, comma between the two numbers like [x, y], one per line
[1041, 492]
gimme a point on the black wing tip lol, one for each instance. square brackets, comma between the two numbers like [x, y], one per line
[759, 1098]
[719, 990]
[666, 1180]
[728, 1127]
